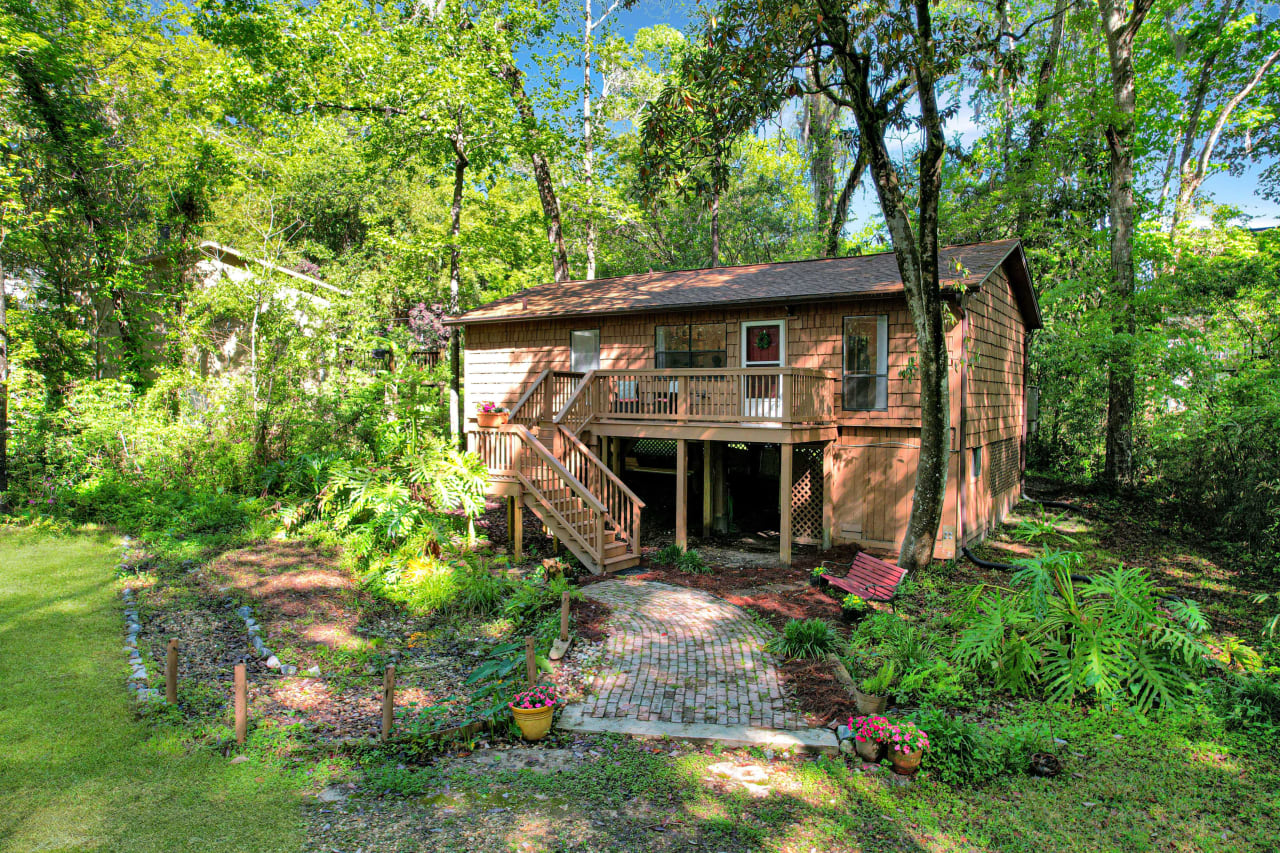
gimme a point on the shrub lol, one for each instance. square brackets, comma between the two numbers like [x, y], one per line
[804, 638]
[669, 555]
[1255, 704]
[479, 591]
[690, 562]
[532, 598]
[1113, 639]
[962, 753]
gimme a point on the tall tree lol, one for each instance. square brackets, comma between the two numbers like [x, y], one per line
[884, 62]
[1120, 26]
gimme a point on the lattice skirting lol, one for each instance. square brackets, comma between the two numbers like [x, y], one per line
[806, 494]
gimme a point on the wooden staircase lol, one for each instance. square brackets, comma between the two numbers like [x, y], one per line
[584, 504]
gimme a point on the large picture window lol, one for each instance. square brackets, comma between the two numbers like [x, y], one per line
[584, 347]
[866, 363]
[690, 345]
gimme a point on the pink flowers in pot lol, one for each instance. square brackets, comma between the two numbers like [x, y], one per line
[542, 696]
[491, 408]
[901, 738]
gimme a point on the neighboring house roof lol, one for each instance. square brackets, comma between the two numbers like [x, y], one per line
[222, 254]
[790, 281]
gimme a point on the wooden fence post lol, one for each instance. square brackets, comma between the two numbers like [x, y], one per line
[564, 617]
[171, 673]
[388, 700]
[530, 661]
[242, 704]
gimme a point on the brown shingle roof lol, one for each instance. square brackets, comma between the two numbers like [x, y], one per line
[866, 275]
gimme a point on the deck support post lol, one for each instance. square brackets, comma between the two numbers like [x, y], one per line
[682, 494]
[517, 527]
[784, 506]
[828, 505]
[706, 489]
[721, 497]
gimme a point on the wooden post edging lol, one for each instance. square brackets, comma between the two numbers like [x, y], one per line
[171, 673]
[530, 661]
[388, 700]
[564, 616]
[241, 702]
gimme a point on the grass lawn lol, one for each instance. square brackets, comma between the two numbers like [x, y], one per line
[78, 770]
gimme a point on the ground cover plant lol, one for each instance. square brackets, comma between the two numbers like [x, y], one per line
[77, 764]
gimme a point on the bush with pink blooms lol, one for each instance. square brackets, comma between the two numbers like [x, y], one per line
[869, 729]
[901, 738]
[905, 738]
[542, 696]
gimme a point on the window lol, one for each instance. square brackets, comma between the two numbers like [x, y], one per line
[763, 344]
[689, 345]
[584, 346]
[866, 363]
[975, 470]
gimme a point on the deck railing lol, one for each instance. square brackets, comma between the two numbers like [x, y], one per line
[546, 395]
[774, 395]
[622, 506]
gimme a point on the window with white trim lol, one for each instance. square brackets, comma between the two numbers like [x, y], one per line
[866, 363]
[584, 348]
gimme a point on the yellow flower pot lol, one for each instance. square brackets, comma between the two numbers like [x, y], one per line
[534, 723]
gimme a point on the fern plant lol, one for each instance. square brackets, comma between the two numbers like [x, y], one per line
[1113, 640]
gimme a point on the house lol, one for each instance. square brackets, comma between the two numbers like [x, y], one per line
[768, 397]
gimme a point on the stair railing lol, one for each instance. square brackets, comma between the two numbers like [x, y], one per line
[622, 506]
[528, 409]
[580, 407]
[580, 514]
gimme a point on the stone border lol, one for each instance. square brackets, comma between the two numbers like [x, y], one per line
[138, 677]
[254, 630]
[575, 718]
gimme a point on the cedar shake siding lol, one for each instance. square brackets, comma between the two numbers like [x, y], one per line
[869, 457]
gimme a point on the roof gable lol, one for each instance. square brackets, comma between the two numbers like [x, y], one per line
[961, 267]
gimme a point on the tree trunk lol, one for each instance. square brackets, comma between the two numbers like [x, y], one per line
[456, 418]
[715, 218]
[1120, 30]
[588, 155]
[1039, 124]
[841, 211]
[541, 174]
[917, 260]
[816, 133]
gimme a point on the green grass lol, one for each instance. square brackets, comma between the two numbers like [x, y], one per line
[78, 770]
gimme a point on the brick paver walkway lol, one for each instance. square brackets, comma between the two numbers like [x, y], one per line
[684, 656]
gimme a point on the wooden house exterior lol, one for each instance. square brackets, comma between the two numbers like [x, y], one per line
[806, 367]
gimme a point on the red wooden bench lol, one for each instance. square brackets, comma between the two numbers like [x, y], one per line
[870, 578]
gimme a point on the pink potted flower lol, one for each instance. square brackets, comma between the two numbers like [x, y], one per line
[907, 743]
[533, 710]
[490, 415]
[868, 737]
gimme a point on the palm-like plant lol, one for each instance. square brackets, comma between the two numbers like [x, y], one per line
[1112, 639]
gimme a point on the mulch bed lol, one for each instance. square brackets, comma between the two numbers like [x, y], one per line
[823, 699]
[590, 619]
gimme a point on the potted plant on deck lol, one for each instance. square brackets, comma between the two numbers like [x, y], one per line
[906, 743]
[533, 710]
[871, 695]
[491, 415]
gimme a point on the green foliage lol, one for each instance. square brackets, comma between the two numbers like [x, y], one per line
[1040, 530]
[531, 598]
[804, 638]
[961, 753]
[1113, 640]
[691, 563]
[1255, 703]
[882, 681]
[669, 555]
[480, 592]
